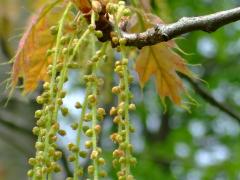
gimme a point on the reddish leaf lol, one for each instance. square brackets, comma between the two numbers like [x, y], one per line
[31, 60]
[160, 61]
[83, 5]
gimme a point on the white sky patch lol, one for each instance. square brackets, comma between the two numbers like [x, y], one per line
[197, 128]
[216, 154]
[207, 47]
[182, 150]
[224, 125]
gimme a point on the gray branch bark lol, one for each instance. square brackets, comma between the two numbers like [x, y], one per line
[162, 32]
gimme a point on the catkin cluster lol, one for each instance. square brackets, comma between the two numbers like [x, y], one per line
[89, 125]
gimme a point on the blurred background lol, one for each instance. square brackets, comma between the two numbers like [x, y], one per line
[201, 145]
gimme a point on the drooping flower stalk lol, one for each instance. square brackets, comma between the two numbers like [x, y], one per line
[123, 154]
[44, 164]
[97, 114]
[65, 51]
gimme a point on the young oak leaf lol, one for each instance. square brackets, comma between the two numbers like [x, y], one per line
[31, 59]
[83, 5]
[160, 61]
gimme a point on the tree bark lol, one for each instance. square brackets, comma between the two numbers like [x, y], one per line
[165, 32]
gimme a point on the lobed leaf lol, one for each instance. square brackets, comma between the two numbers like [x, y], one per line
[83, 5]
[159, 61]
[31, 60]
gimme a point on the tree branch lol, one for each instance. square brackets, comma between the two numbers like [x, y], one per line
[211, 100]
[15, 127]
[162, 32]
[29, 133]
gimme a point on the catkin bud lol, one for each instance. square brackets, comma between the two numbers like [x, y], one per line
[71, 158]
[122, 41]
[32, 161]
[132, 107]
[94, 155]
[113, 111]
[62, 132]
[83, 154]
[101, 161]
[101, 111]
[78, 105]
[89, 133]
[40, 100]
[30, 173]
[98, 129]
[96, 6]
[64, 111]
[38, 113]
[91, 98]
[116, 90]
[102, 173]
[90, 169]
[54, 30]
[99, 34]
[74, 126]
[88, 144]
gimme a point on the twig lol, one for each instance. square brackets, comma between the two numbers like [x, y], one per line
[28, 132]
[17, 146]
[162, 32]
[211, 100]
[16, 127]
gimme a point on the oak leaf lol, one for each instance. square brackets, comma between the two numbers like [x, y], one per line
[159, 61]
[83, 5]
[31, 60]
